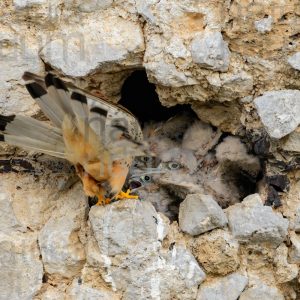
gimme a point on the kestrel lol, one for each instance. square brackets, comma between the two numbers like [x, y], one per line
[99, 138]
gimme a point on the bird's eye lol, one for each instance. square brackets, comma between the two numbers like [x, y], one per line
[173, 166]
[146, 159]
[146, 178]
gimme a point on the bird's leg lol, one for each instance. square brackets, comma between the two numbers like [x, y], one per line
[125, 195]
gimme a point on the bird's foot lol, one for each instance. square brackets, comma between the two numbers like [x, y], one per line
[126, 195]
[103, 201]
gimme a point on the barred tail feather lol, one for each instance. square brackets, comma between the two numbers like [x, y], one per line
[35, 145]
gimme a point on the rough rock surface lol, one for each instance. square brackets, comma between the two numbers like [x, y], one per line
[60, 246]
[261, 291]
[279, 111]
[22, 269]
[217, 252]
[199, 213]
[226, 288]
[237, 64]
[294, 61]
[252, 222]
[129, 236]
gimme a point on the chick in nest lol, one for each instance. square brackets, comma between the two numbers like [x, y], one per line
[233, 172]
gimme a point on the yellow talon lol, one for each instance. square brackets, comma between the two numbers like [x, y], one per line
[126, 195]
[102, 201]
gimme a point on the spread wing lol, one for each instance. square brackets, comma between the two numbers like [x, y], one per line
[87, 130]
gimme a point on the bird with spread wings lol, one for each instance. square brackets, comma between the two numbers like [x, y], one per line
[99, 138]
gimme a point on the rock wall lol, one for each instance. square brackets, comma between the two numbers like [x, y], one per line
[237, 64]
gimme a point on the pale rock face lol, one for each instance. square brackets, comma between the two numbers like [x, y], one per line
[215, 55]
[8, 219]
[279, 111]
[226, 288]
[61, 249]
[285, 271]
[252, 222]
[294, 61]
[261, 291]
[93, 5]
[22, 269]
[124, 227]
[18, 54]
[291, 142]
[294, 253]
[210, 51]
[129, 236]
[19, 4]
[264, 25]
[199, 213]
[84, 292]
[217, 252]
[116, 46]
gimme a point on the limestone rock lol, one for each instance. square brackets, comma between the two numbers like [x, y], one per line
[126, 225]
[19, 4]
[294, 254]
[226, 288]
[52, 294]
[84, 292]
[62, 252]
[93, 5]
[264, 25]
[217, 252]
[129, 235]
[279, 111]
[294, 61]
[262, 292]
[291, 142]
[17, 56]
[251, 222]
[173, 274]
[8, 219]
[166, 74]
[199, 213]
[118, 44]
[210, 51]
[284, 272]
[22, 269]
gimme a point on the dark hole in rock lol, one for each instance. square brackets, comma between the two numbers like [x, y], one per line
[232, 180]
[138, 95]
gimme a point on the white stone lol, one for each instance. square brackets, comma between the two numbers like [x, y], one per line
[8, 219]
[226, 288]
[93, 5]
[199, 213]
[264, 25]
[129, 235]
[251, 222]
[294, 61]
[21, 268]
[291, 142]
[210, 51]
[85, 292]
[167, 74]
[177, 48]
[284, 271]
[125, 226]
[174, 274]
[112, 44]
[294, 253]
[279, 111]
[62, 252]
[18, 54]
[145, 8]
[262, 292]
[19, 4]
